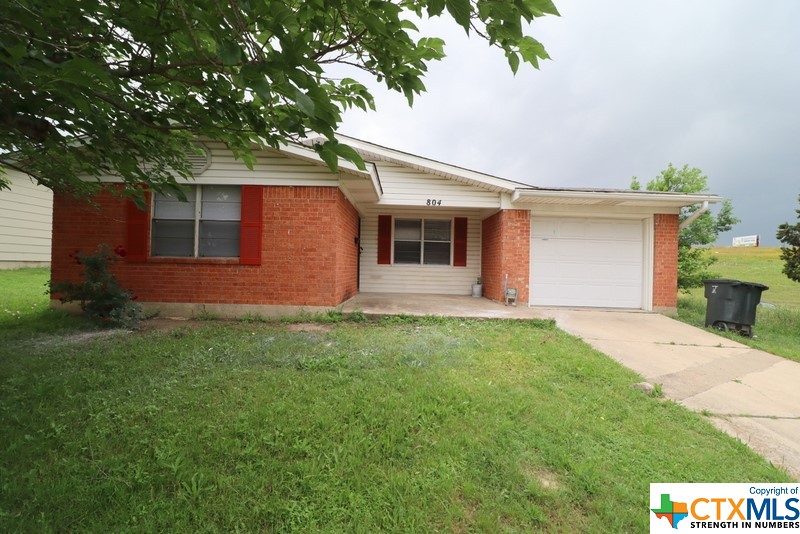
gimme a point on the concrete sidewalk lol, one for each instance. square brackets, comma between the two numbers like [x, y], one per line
[750, 394]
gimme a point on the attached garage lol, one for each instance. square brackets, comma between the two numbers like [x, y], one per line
[593, 262]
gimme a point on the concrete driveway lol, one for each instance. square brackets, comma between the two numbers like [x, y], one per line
[747, 393]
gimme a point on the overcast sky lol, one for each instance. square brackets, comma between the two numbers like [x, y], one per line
[632, 86]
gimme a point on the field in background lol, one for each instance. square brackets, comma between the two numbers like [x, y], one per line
[777, 329]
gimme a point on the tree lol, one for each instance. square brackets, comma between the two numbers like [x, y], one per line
[96, 87]
[789, 234]
[693, 259]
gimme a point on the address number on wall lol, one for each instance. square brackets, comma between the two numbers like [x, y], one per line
[433, 202]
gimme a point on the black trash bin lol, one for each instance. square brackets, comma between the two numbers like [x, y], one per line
[731, 304]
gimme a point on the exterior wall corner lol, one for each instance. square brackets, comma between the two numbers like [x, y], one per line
[665, 261]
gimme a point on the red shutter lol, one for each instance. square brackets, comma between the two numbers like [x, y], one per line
[251, 223]
[460, 242]
[137, 223]
[384, 239]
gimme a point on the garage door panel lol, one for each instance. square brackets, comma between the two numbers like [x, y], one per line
[587, 262]
[569, 273]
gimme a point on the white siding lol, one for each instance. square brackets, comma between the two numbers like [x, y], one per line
[408, 187]
[271, 168]
[431, 279]
[26, 217]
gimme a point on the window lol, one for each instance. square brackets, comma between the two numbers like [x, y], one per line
[206, 226]
[422, 241]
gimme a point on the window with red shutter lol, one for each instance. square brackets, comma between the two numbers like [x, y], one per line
[384, 239]
[460, 242]
[137, 224]
[251, 224]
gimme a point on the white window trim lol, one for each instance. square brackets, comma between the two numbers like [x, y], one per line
[198, 198]
[423, 240]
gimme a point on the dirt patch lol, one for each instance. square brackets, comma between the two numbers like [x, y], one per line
[309, 327]
[546, 479]
[79, 337]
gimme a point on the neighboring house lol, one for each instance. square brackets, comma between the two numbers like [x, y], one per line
[291, 234]
[26, 214]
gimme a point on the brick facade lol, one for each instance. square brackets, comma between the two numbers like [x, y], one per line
[665, 262]
[505, 249]
[309, 253]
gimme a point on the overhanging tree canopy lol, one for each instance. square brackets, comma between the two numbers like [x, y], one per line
[96, 87]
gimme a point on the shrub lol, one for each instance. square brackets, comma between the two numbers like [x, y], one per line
[101, 297]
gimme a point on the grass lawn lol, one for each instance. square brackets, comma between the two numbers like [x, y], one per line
[777, 330]
[24, 306]
[405, 425]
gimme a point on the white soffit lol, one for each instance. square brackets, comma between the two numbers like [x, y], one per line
[608, 198]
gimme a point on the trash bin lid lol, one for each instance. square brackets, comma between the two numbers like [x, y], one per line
[762, 287]
[723, 281]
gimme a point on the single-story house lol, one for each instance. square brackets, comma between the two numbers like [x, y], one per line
[26, 213]
[290, 234]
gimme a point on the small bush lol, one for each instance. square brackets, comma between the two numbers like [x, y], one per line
[101, 297]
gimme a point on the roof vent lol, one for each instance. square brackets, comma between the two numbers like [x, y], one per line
[199, 161]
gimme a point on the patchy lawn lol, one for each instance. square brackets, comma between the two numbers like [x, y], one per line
[399, 425]
[777, 328]
[24, 306]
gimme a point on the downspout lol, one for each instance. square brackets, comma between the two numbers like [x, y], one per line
[691, 218]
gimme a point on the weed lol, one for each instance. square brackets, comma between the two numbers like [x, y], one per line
[357, 317]
[205, 315]
[250, 318]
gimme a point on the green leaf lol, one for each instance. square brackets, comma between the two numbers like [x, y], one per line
[349, 154]
[435, 8]
[532, 51]
[460, 10]
[513, 61]
[229, 53]
[305, 103]
[542, 7]
[328, 155]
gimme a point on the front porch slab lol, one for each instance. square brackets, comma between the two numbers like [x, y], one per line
[438, 305]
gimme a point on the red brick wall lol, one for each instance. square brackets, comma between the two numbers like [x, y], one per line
[346, 249]
[306, 260]
[505, 249]
[665, 260]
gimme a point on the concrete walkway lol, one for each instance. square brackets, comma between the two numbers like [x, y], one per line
[748, 393]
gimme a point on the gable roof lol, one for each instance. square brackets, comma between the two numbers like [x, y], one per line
[372, 152]
[525, 194]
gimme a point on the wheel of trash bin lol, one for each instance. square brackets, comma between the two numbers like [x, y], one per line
[721, 325]
[746, 331]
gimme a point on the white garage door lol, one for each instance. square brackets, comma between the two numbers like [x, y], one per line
[587, 262]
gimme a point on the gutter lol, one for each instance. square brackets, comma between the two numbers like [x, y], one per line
[691, 218]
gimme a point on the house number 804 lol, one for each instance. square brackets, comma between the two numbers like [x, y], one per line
[433, 202]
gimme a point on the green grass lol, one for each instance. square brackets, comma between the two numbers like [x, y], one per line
[24, 306]
[404, 425]
[777, 330]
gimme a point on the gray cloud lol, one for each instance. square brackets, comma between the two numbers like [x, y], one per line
[632, 86]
